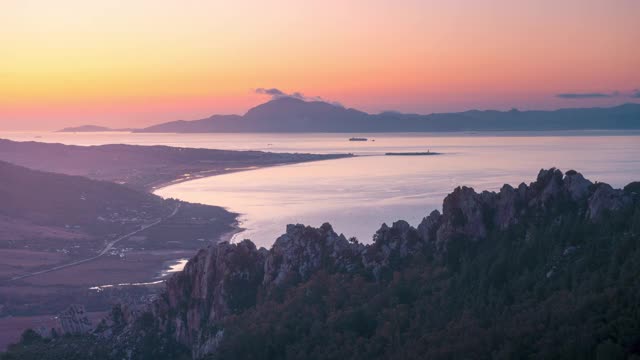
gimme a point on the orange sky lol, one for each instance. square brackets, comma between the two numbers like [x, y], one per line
[138, 62]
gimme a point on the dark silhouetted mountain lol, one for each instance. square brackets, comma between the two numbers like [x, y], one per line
[295, 115]
[214, 123]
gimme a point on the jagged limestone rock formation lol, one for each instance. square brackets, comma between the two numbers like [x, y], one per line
[303, 250]
[74, 321]
[227, 279]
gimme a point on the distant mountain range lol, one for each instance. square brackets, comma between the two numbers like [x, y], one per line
[91, 128]
[295, 115]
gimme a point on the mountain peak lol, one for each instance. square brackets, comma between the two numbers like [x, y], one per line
[288, 103]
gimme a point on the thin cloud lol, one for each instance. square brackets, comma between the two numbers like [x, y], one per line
[278, 94]
[272, 92]
[585, 95]
[635, 94]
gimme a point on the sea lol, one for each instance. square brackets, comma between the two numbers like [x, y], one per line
[357, 195]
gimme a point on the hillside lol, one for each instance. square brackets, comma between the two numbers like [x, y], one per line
[544, 271]
[55, 199]
[141, 167]
[295, 115]
[61, 235]
[48, 219]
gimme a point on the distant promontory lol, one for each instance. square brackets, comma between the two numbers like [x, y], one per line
[91, 128]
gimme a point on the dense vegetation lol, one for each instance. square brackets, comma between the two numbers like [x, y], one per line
[81, 347]
[557, 286]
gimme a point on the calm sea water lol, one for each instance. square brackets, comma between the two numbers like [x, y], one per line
[357, 195]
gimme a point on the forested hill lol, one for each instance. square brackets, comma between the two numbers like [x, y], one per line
[543, 271]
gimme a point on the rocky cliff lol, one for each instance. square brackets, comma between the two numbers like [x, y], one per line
[512, 241]
[74, 321]
[226, 279]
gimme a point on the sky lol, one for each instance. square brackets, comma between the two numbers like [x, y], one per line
[140, 62]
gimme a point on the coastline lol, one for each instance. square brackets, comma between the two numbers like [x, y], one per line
[203, 175]
[151, 188]
[236, 229]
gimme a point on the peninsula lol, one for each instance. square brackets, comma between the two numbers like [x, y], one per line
[143, 167]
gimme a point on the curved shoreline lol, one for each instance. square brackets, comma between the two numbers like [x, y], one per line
[214, 172]
[236, 225]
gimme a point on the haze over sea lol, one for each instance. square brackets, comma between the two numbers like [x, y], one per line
[358, 194]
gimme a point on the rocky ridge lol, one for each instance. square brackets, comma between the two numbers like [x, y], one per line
[226, 279]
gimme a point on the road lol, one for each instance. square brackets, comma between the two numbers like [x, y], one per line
[102, 252]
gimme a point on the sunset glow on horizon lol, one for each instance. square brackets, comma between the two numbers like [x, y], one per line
[136, 63]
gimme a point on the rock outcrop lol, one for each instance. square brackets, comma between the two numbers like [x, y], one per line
[391, 245]
[303, 250]
[606, 199]
[226, 278]
[74, 321]
[217, 282]
[576, 185]
[464, 214]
